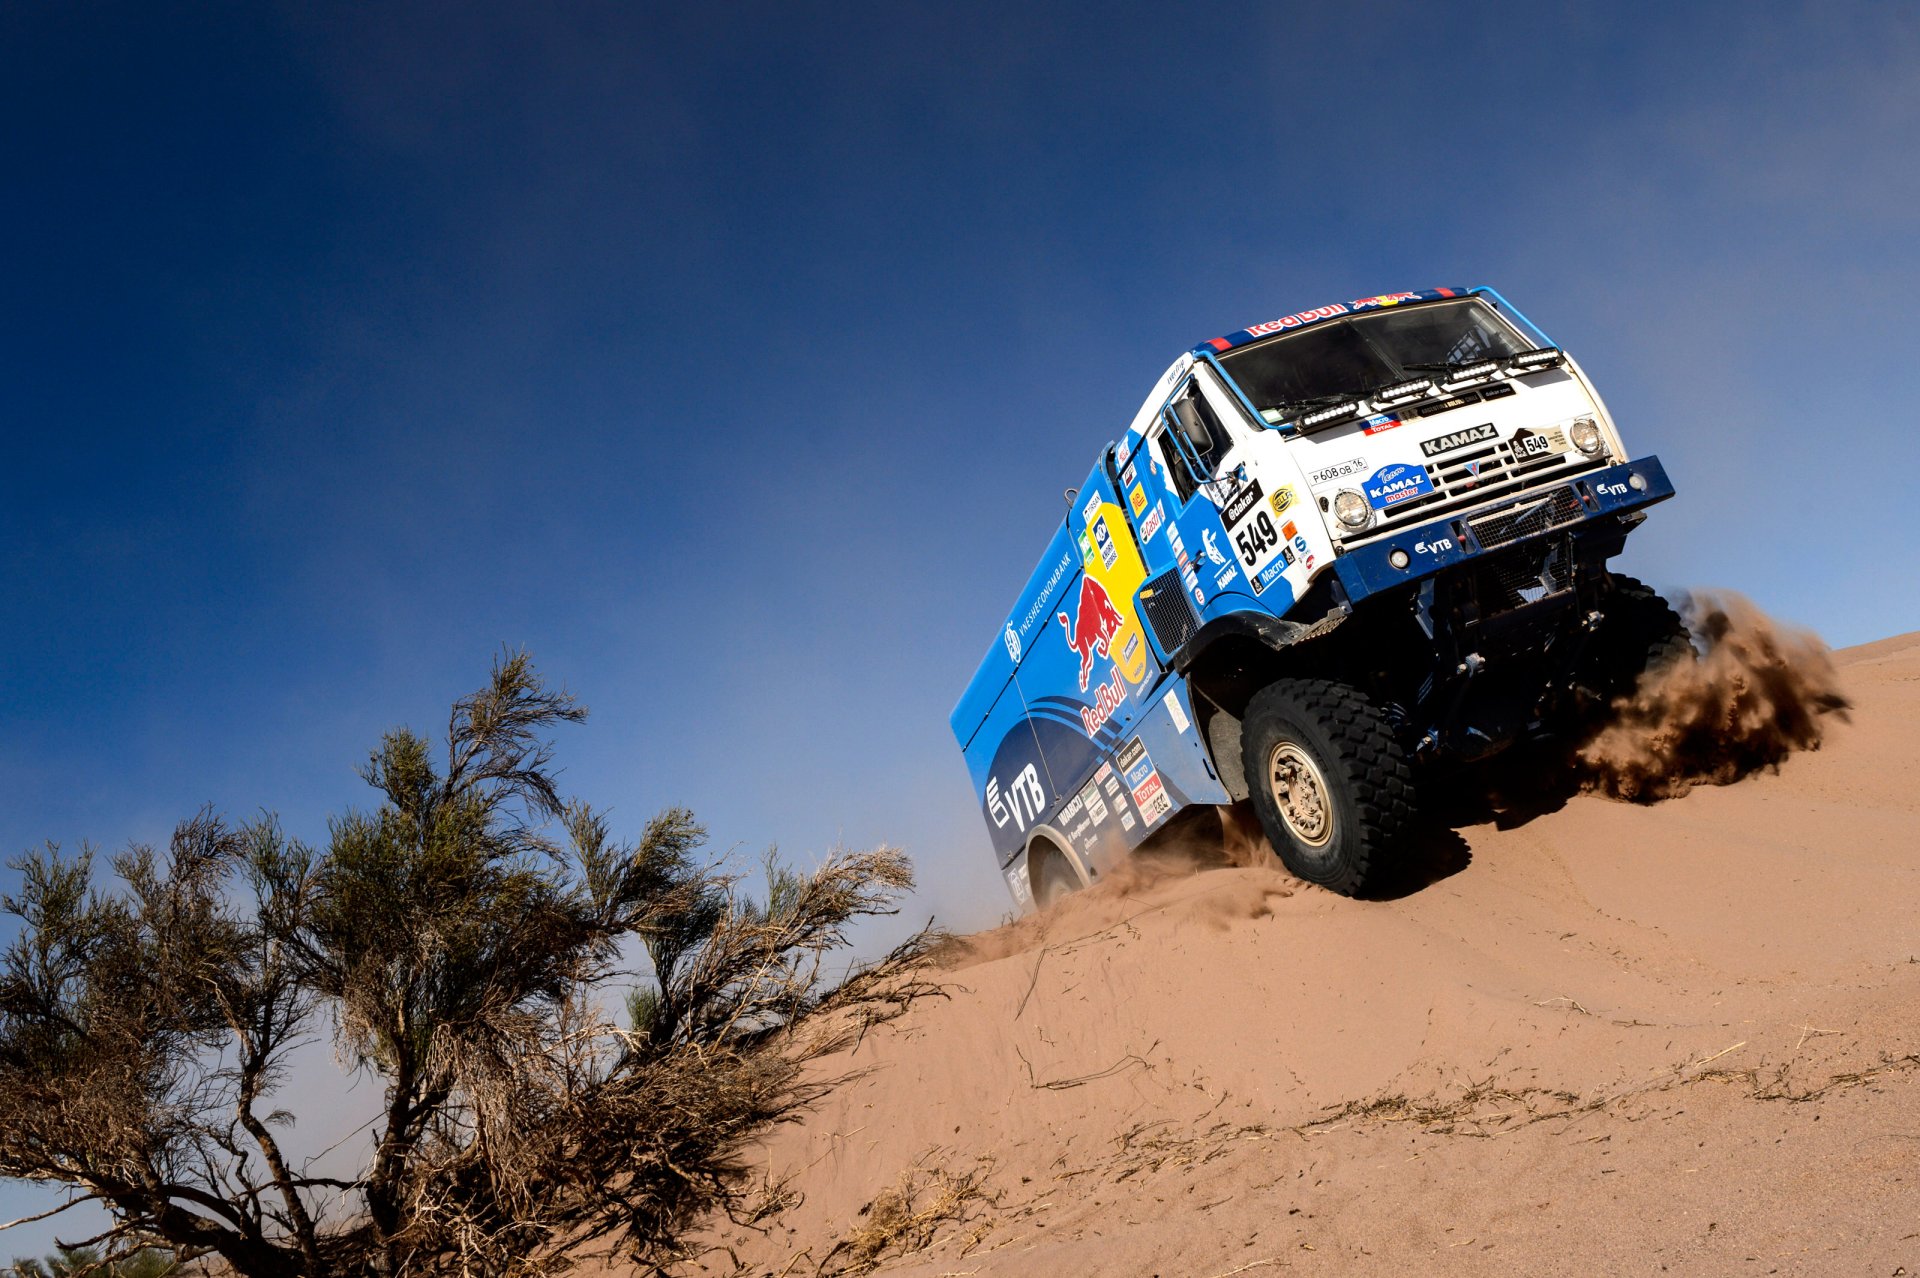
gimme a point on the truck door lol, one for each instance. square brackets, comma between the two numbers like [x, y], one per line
[1193, 490]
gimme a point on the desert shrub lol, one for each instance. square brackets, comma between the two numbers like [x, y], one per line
[470, 942]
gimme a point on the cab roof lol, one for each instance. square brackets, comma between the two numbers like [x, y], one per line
[1254, 332]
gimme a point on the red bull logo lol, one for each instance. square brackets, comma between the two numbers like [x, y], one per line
[1089, 633]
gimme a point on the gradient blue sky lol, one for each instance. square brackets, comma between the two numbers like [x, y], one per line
[733, 359]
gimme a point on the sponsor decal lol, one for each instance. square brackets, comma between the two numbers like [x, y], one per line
[1094, 624]
[1241, 502]
[1126, 819]
[1131, 651]
[1295, 321]
[1282, 499]
[1289, 530]
[1212, 548]
[1151, 798]
[1138, 496]
[1223, 578]
[1126, 476]
[1199, 596]
[1385, 299]
[1448, 404]
[1611, 490]
[1395, 483]
[1499, 390]
[1379, 422]
[1327, 474]
[1095, 805]
[1107, 698]
[1129, 755]
[1273, 571]
[1124, 451]
[1104, 540]
[1176, 711]
[1020, 802]
[1438, 546]
[1091, 509]
[1013, 644]
[1458, 439]
[1033, 613]
[1151, 524]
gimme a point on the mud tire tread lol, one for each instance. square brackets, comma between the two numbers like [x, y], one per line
[1367, 762]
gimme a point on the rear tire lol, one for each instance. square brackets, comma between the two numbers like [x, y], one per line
[1054, 879]
[1332, 787]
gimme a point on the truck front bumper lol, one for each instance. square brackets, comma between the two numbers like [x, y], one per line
[1425, 549]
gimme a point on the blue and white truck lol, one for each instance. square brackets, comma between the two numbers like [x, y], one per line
[1329, 551]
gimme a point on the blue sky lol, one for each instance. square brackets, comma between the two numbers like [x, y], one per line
[733, 359]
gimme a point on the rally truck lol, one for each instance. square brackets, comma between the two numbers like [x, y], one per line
[1331, 553]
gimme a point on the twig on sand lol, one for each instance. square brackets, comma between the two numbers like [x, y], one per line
[1125, 1062]
[1564, 999]
[1251, 1264]
[1717, 1055]
[1037, 960]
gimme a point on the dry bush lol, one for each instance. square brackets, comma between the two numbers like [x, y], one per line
[463, 942]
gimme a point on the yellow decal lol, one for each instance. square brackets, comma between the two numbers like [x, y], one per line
[1282, 499]
[1118, 568]
[1139, 499]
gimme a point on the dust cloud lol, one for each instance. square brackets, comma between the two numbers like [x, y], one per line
[1156, 879]
[1760, 691]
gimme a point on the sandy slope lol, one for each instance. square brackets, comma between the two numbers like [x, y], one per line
[1606, 1038]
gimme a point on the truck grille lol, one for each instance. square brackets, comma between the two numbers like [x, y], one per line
[1483, 475]
[1561, 506]
[1168, 610]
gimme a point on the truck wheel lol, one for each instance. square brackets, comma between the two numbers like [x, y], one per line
[1640, 632]
[1053, 879]
[1332, 787]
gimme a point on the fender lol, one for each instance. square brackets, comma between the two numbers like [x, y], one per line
[1276, 633]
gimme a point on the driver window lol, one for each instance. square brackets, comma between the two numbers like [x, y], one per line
[1201, 438]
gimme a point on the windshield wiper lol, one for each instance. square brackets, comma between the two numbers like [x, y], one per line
[1292, 407]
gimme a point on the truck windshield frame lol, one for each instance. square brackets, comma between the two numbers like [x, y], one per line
[1354, 356]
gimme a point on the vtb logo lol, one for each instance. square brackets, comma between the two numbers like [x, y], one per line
[1089, 633]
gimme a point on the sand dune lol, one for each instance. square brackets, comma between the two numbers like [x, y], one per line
[1603, 1038]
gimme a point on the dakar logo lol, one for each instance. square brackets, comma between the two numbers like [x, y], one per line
[1097, 624]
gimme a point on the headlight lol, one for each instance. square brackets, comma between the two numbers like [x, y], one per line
[1585, 436]
[1351, 509]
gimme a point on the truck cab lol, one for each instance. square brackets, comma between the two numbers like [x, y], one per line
[1329, 550]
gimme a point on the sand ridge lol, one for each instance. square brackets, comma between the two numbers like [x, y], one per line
[1605, 1037]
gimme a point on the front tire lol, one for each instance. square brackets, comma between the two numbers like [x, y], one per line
[1640, 634]
[1332, 787]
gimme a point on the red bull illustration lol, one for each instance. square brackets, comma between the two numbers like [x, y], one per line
[1093, 628]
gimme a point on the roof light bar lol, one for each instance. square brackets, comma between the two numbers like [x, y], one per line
[1400, 392]
[1534, 360]
[1473, 372]
[1338, 413]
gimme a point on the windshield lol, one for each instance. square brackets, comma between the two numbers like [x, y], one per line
[1352, 357]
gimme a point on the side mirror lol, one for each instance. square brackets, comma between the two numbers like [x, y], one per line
[1195, 430]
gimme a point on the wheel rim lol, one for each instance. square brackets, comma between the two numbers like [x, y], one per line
[1300, 792]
